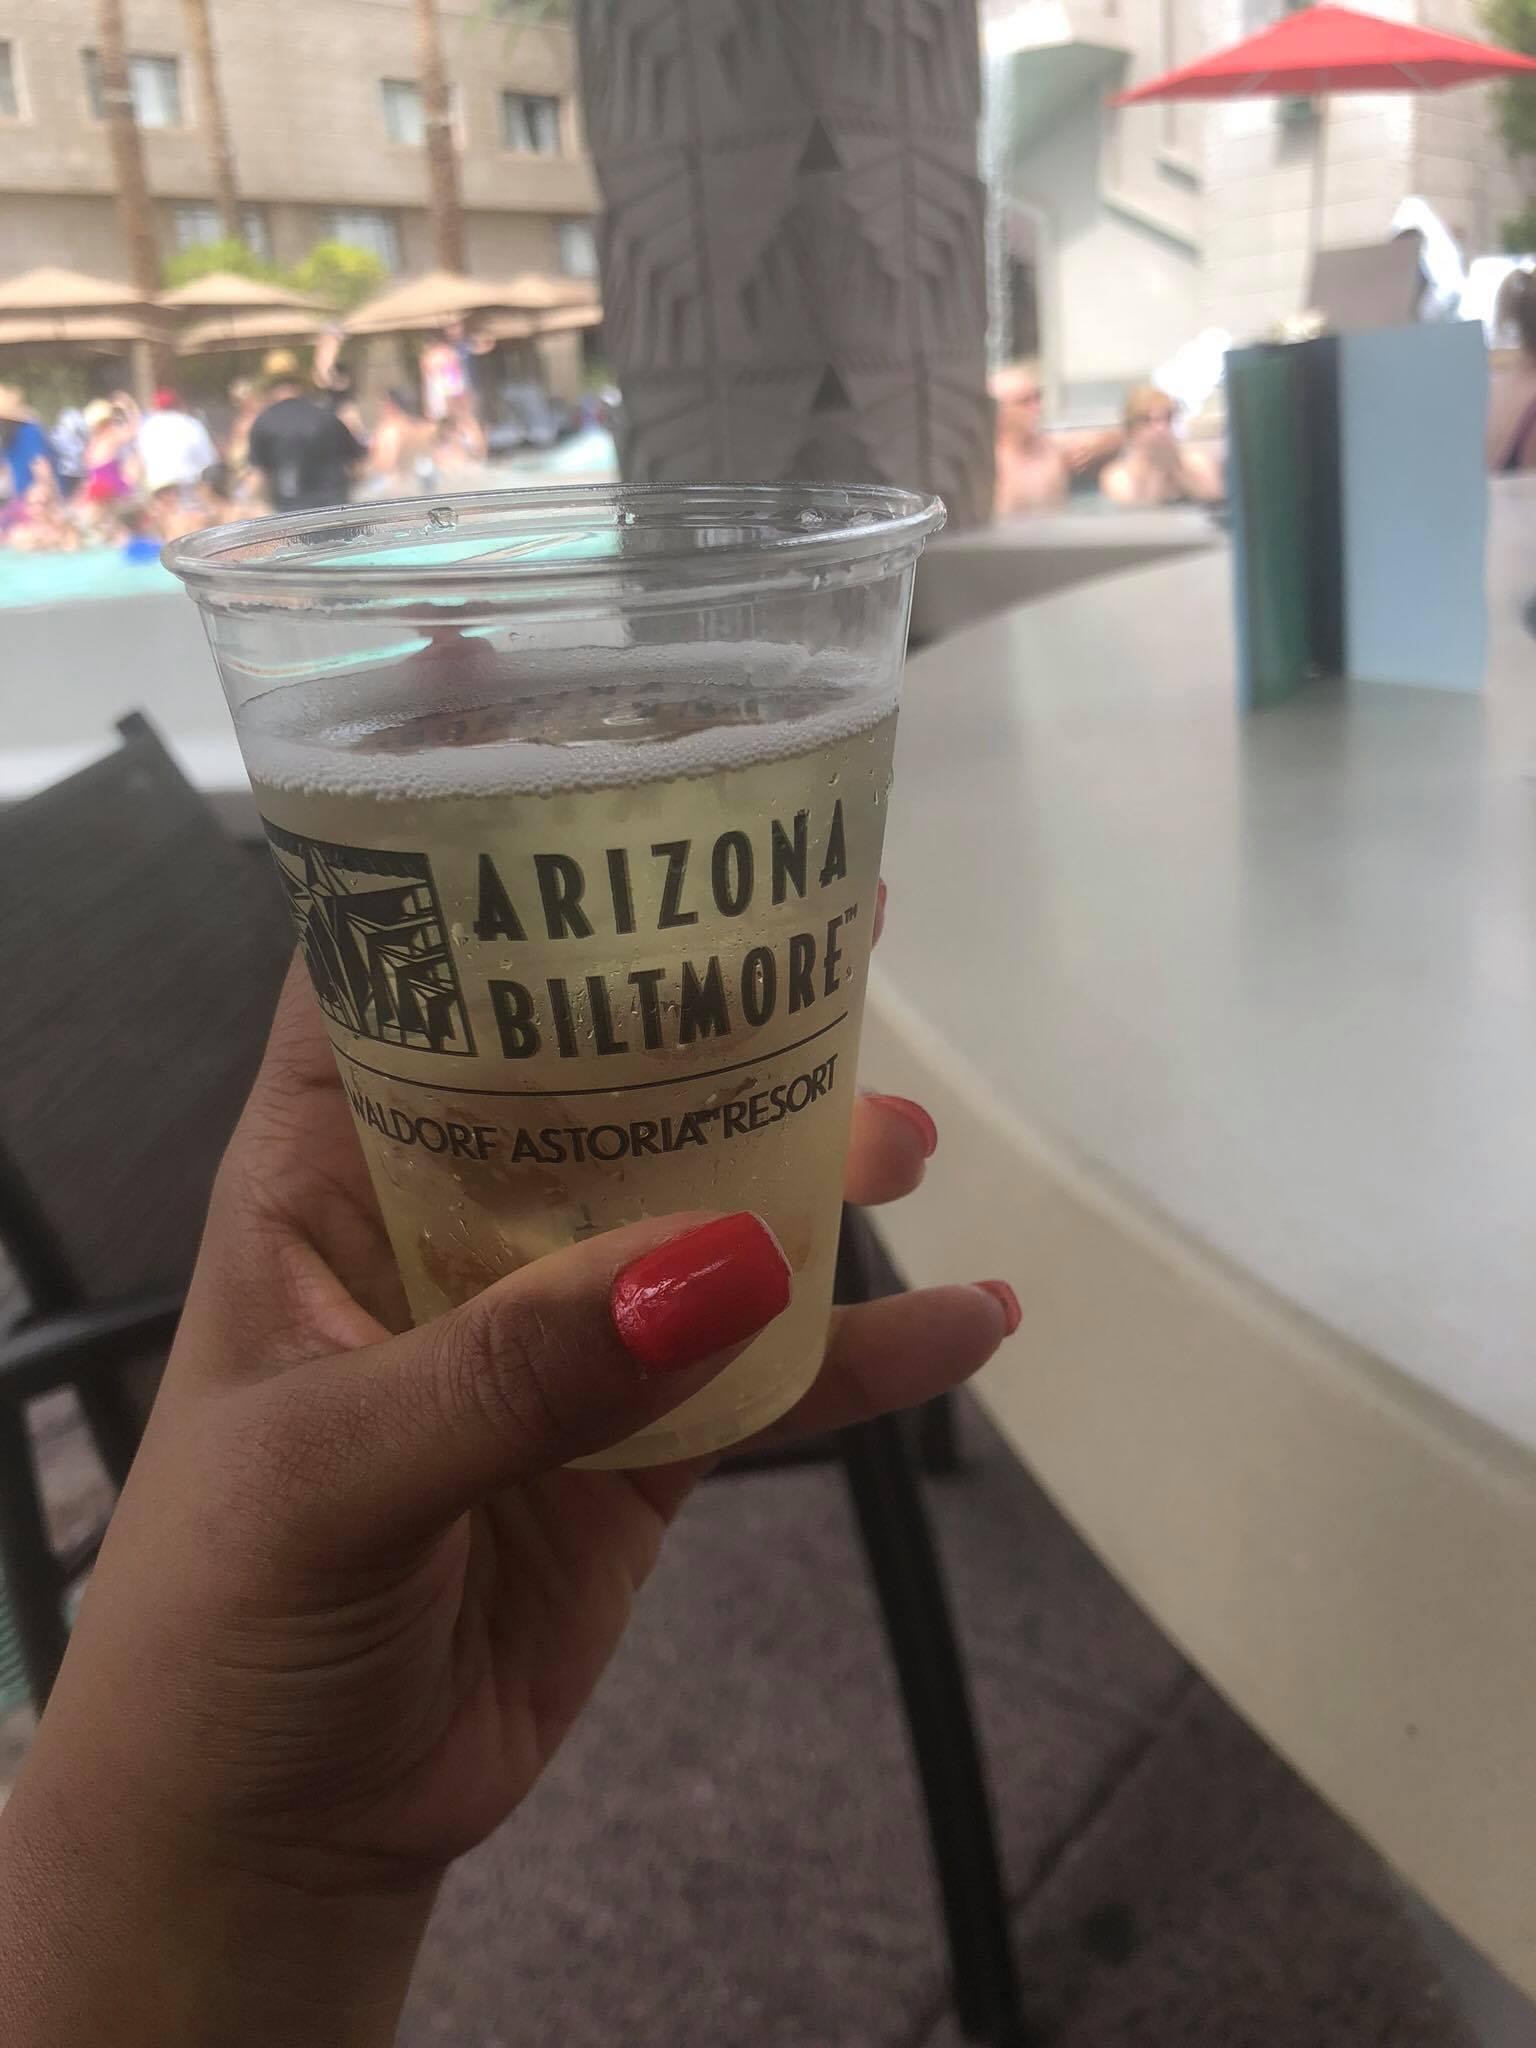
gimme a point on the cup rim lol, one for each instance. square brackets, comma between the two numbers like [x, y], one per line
[312, 553]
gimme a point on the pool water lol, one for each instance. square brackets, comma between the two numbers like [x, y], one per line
[105, 572]
[67, 579]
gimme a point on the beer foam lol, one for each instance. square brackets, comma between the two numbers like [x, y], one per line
[400, 732]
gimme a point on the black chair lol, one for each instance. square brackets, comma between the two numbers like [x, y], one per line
[881, 1471]
[880, 1462]
[141, 953]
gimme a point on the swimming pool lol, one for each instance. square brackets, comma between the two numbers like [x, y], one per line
[95, 573]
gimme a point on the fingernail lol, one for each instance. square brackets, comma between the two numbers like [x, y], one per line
[914, 1114]
[879, 913]
[1007, 1300]
[698, 1293]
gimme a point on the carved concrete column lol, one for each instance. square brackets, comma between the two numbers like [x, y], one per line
[793, 275]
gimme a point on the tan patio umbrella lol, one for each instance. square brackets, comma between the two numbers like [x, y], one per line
[269, 329]
[525, 326]
[108, 332]
[425, 302]
[54, 301]
[57, 300]
[225, 291]
[241, 312]
[568, 320]
[442, 295]
[49, 289]
[536, 291]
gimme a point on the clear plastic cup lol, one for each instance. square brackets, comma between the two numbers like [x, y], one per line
[577, 798]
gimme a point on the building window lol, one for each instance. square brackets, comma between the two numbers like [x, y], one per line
[10, 98]
[530, 121]
[155, 83]
[405, 119]
[366, 227]
[578, 248]
[405, 113]
[196, 222]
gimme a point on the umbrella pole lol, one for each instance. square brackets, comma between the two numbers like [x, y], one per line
[141, 356]
[1319, 193]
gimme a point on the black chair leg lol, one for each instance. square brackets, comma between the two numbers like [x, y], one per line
[33, 1581]
[904, 1566]
[113, 1423]
[938, 1437]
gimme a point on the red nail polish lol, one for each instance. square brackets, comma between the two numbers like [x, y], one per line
[918, 1117]
[1004, 1295]
[698, 1293]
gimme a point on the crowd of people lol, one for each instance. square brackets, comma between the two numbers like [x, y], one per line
[114, 474]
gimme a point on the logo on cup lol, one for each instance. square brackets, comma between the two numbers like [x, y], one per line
[372, 934]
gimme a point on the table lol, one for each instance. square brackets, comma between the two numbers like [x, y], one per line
[964, 576]
[1230, 1030]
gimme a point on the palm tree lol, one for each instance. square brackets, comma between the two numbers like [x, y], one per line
[442, 161]
[136, 218]
[226, 192]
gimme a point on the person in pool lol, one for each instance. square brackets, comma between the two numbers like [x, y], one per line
[1154, 466]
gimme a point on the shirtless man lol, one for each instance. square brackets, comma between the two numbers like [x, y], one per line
[1032, 471]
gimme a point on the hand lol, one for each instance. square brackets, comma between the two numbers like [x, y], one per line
[351, 1599]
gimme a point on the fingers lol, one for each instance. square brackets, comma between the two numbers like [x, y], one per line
[891, 1137]
[297, 1065]
[554, 1362]
[298, 1051]
[295, 1245]
[900, 1352]
[890, 1140]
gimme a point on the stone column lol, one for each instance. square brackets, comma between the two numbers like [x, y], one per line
[793, 274]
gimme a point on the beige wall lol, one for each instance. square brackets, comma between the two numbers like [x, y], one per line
[1158, 220]
[1117, 295]
[1258, 185]
[1459, 159]
[301, 84]
[1460, 164]
[1113, 195]
[501, 244]
[1152, 154]
[1258, 198]
[1380, 148]
[560, 362]
[83, 232]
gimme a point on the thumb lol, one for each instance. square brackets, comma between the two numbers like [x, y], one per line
[558, 1360]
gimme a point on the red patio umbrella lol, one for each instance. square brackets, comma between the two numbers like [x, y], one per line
[1323, 50]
